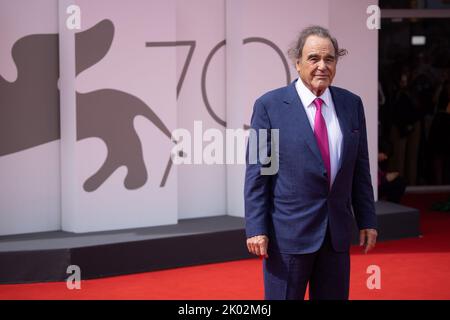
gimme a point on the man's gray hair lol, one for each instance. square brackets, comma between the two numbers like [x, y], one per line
[295, 51]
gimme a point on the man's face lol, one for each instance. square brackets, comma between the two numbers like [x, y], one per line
[317, 64]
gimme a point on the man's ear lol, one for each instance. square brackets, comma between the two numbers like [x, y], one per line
[297, 64]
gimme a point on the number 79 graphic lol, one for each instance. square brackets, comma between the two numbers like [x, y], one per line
[192, 44]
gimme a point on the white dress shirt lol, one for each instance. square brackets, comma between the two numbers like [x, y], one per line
[331, 120]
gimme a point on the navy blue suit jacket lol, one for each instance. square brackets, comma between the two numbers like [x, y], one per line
[294, 206]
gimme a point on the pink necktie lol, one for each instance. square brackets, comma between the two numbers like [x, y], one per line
[320, 132]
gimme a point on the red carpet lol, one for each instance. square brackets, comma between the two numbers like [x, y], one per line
[410, 269]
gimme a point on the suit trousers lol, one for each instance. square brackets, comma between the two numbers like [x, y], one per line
[286, 276]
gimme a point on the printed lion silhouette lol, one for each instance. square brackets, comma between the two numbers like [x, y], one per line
[29, 113]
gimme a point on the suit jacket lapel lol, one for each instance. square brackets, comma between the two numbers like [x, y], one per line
[303, 127]
[342, 113]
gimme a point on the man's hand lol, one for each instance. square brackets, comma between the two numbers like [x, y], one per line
[368, 238]
[258, 245]
[391, 176]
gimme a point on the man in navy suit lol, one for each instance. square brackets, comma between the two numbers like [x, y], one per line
[300, 218]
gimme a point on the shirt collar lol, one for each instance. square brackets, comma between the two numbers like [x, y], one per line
[307, 97]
